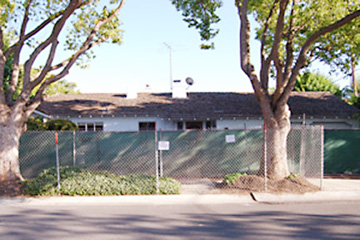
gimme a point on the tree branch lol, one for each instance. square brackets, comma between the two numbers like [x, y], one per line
[289, 44]
[247, 67]
[16, 57]
[301, 60]
[47, 66]
[289, 56]
[67, 64]
[27, 86]
[41, 26]
[274, 55]
[2, 69]
[265, 62]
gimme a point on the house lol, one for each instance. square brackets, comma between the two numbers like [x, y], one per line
[196, 110]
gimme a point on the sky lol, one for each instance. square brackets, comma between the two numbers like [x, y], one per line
[143, 58]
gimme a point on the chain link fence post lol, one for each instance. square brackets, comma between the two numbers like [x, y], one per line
[322, 158]
[74, 148]
[157, 160]
[265, 157]
[57, 162]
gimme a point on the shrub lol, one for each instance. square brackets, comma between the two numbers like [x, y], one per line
[232, 177]
[76, 181]
[60, 125]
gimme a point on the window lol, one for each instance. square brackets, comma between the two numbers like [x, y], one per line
[180, 125]
[194, 125]
[91, 126]
[99, 127]
[210, 124]
[146, 126]
[82, 127]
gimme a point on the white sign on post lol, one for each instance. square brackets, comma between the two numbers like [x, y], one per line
[164, 145]
[230, 138]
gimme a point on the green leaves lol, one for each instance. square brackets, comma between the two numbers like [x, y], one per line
[6, 9]
[232, 177]
[61, 87]
[39, 27]
[309, 81]
[200, 14]
[76, 181]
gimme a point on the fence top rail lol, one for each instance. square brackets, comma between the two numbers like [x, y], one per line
[300, 127]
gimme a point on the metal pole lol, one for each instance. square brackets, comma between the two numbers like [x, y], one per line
[161, 156]
[265, 156]
[171, 77]
[74, 148]
[302, 162]
[246, 147]
[156, 161]
[322, 158]
[57, 162]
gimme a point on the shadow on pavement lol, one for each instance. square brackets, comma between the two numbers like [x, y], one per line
[38, 223]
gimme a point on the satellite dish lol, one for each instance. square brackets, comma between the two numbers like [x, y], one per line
[189, 81]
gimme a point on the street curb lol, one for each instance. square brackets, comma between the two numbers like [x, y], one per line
[201, 199]
[323, 196]
[133, 200]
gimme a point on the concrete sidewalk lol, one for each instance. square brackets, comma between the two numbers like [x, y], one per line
[333, 190]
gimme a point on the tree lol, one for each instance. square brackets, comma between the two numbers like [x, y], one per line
[61, 87]
[60, 125]
[38, 27]
[342, 50]
[37, 124]
[58, 87]
[309, 81]
[288, 32]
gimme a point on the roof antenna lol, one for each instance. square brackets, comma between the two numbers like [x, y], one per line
[171, 77]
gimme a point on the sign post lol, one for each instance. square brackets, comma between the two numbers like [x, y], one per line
[162, 146]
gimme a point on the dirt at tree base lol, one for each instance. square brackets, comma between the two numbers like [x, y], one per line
[10, 188]
[253, 183]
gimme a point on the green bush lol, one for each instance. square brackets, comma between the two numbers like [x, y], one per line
[60, 125]
[232, 177]
[76, 181]
[37, 124]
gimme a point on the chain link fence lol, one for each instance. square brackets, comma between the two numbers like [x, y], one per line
[183, 155]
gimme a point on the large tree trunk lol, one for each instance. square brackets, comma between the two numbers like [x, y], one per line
[277, 163]
[11, 128]
[276, 133]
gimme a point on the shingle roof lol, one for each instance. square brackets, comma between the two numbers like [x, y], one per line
[200, 105]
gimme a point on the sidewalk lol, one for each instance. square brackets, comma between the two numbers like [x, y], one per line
[333, 190]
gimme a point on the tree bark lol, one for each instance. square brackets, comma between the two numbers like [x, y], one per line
[11, 128]
[275, 133]
[277, 163]
[354, 83]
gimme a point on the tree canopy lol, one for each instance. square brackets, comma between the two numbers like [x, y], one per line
[309, 81]
[39, 27]
[40, 40]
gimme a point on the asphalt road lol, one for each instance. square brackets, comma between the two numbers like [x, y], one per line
[184, 221]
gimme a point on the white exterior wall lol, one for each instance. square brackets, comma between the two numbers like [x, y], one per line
[131, 124]
[239, 124]
[258, 123]
[330, 123]
[126, 124]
